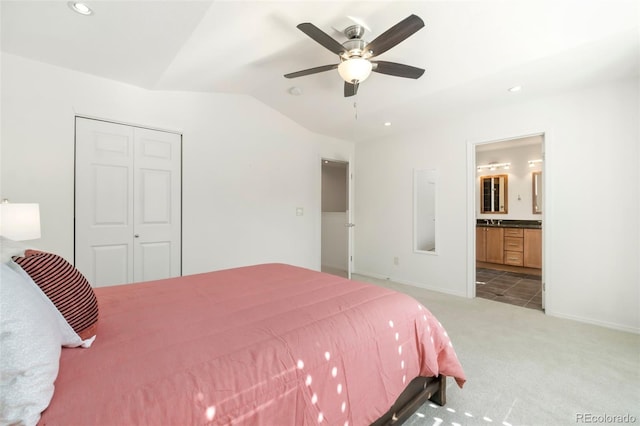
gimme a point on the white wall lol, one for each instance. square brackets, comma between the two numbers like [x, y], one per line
[592, 200]
[246, 168]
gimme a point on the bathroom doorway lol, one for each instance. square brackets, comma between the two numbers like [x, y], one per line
[336, 226]
[508, 221]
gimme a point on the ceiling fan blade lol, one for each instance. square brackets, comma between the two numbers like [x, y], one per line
[321, 37]
[395, 35]
[395, 69]
[311, 71]
[350, 89]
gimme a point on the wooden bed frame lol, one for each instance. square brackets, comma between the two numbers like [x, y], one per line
[416, 393]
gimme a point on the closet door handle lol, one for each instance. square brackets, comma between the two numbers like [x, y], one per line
[136, 236]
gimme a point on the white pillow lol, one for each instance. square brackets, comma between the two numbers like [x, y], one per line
[30, 344]
[68, 337]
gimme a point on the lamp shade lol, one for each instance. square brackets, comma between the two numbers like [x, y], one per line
[354, 70]
[20, 222]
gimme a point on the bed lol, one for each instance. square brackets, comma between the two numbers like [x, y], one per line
[269, 344]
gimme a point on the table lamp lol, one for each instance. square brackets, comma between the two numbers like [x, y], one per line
[19, 221]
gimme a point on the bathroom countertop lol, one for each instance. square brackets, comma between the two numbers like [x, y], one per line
[499, 223]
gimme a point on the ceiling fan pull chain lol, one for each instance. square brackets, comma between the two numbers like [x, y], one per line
[355, 107]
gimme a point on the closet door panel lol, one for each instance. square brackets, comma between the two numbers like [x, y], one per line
[103, 202]
[128, 203]
[157, 210]
[112, 263]
[156, 197]
[111, 195]
[153, 260]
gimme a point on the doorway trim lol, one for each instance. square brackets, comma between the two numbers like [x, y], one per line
[471, 211]
[349, 217]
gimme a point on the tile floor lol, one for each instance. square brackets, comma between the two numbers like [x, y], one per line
[509, 287]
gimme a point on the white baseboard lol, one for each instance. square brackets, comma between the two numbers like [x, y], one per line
[411, 283]
[606, 324]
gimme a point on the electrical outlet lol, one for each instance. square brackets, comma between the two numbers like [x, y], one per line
[396, 261]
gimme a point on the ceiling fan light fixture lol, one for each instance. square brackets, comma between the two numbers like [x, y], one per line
[355, 53]
[355, 70]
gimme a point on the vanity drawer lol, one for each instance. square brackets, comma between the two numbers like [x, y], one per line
[513, 258]
[513, 232]
[513, 244]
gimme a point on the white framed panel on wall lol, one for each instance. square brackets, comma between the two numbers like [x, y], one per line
[424, 210]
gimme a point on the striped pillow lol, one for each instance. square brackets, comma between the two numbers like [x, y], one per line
[67, 288]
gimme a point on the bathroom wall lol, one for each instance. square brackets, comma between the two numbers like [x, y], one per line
[519, 181]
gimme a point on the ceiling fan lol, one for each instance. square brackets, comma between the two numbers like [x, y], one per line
[355, 54]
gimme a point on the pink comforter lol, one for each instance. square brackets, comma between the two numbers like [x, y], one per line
[261, 345]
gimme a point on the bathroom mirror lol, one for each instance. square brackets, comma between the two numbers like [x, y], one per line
[493, 194]
[424, 210]
[536, 192]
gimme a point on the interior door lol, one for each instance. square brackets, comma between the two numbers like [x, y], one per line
[127, 203]
[103, 204]
[157, 210]
[337, 225]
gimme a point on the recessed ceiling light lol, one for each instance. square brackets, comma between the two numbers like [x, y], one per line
[80, 8]
[387, 124]
[515, 88]
[295, 91]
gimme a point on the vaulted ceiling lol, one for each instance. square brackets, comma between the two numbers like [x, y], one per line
[473, 51]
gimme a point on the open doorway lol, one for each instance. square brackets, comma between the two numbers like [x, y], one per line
[335, 256]
[509, 221]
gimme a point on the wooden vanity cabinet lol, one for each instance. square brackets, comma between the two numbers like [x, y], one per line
[509, 246]
[532, 248]
[489, 244]
[481, 244]
[513, 246]
[495, 245]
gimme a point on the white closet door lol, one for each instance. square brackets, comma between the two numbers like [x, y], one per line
[128, 220]
[157, 209]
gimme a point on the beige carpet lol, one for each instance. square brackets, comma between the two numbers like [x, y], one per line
[526, 368]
